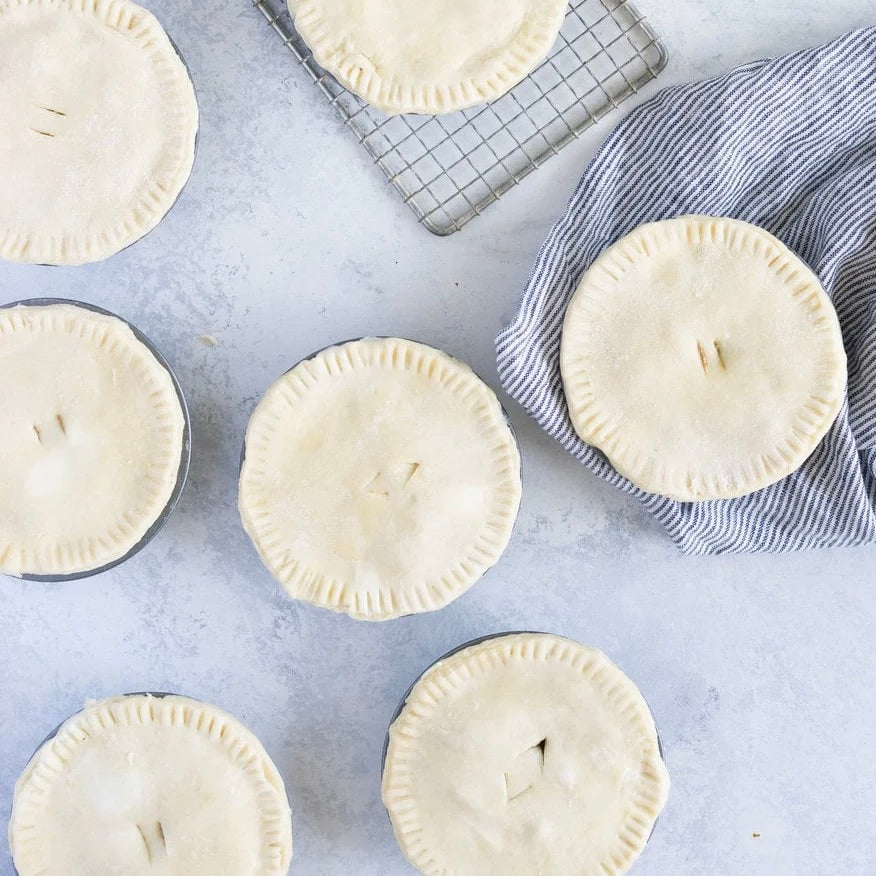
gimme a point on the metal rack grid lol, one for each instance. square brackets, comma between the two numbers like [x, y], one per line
[449, 168]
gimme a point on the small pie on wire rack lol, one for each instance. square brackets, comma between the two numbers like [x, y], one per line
[99, 124]
[703, 358]
[428, 57]
[91, 438]
[527, 753]
[142, 784]
[380, 478]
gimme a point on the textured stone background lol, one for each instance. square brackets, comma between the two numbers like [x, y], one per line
[759, 669]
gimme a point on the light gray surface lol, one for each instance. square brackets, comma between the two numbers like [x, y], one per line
[759, 669]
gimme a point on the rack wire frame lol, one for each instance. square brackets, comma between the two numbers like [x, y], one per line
[449, 168]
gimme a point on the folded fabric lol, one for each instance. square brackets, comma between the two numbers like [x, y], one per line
[787, 144]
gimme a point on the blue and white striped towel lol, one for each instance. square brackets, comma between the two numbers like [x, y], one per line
[790, 145]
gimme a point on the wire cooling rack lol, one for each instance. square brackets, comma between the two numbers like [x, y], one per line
[449, 168]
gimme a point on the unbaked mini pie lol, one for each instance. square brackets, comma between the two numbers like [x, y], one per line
[99, 125]
[93, 440]
[429, 57]
[524, 754]
[380, 478]
[703, 358]
[140, 785]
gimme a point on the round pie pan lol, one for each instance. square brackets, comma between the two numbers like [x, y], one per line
[159, 695]
[471, 644]
[185, 456]
[195, 147]
[505, 416]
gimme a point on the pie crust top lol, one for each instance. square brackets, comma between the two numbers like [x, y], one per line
[380, 478]
[526, 753]
[99, 124]
[91, 437]
[432, 56]
[703, 358]
[140, 785]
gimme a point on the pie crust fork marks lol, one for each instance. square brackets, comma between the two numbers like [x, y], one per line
[525, 753]
[100, 122]
[142, 784]
[703, 358]
[432, 56]
[92, 434]
[380, 478]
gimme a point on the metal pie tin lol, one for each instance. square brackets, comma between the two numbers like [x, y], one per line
[471, 644]
[156, 694]
[505, 416]
[170, 206]
[185, 456]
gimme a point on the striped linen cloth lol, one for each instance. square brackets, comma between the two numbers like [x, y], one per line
[790, 145]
